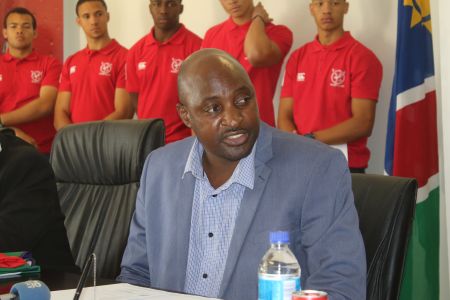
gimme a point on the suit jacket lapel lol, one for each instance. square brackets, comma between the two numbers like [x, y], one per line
[249, 204]
[183, 227]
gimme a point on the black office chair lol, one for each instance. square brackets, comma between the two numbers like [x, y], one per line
[98, 167]
[386, 207]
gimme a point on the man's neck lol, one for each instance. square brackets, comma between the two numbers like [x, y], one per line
[98, 44]
[20, 53]
[164, 35]
[329, 37]
[247, 17]
[218, 172]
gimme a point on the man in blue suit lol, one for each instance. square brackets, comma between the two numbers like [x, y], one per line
[206, 204]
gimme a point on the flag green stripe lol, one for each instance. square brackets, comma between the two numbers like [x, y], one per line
[421, 274]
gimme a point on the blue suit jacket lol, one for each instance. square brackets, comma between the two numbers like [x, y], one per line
[301, 186]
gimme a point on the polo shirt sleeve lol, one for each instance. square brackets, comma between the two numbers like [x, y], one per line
[367, 73]
[282, 36]
[132, 80]
[121, 75]
[289, 77]
[64, 81]
[52, 73]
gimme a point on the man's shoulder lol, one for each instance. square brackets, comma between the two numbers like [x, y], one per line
[216, 28]
[165, 155]
[358, 49]
[77, 55]
[137, 47]
[295, 150]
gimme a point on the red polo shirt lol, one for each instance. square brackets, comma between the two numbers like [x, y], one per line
[230, 37]
[20, 83]
[323, 80]
[152, 71]
[92, 78]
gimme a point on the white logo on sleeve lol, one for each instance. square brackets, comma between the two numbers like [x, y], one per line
[36, 76]
[175, 66]
[105, 69]
[73, 69]
[337, 78]
[142, 65]
[301, 77]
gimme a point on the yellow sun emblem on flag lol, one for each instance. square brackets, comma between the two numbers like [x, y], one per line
[420, 13]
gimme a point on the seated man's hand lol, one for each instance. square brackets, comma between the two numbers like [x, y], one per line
[24, 136]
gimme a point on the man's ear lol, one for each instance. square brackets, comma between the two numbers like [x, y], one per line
[184, 115]
[4, 34]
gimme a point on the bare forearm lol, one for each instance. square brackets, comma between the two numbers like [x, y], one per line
[119, 115]
[62, 119]
[27, 113]
[345, 132]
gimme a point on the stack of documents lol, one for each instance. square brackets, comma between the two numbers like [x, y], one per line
[122, 291]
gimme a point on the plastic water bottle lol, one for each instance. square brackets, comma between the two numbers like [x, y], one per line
[279, 271]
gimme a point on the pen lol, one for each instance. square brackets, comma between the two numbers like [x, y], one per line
[83, 278]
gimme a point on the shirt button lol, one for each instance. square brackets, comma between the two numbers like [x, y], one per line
[205, 276]
[210, 234]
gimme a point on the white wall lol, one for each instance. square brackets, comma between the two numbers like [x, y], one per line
[372, 22]
[441, 43]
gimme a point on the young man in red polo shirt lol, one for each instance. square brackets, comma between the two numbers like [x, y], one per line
[28, 82]
[260, 46]
[331, 86]
[153, 64]
[93, 80]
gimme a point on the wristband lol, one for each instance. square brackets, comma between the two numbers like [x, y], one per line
[310, 135]
[262, 19]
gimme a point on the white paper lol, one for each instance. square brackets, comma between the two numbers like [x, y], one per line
[343, 148]
[122, 291]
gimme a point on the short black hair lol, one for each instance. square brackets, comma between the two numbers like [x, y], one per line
[21, 11]
[84, 1]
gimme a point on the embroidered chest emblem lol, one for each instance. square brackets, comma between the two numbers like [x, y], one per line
[73, 69]
[337, 78]
[175, 66]
[36, 76]
[142, 65]
[301, 77]
[105, 69]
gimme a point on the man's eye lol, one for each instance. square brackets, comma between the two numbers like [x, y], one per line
[214, 108]
[242, 100]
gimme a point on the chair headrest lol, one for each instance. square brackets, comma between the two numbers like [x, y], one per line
[105, 152]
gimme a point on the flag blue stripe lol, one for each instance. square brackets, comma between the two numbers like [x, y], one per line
[414, 63]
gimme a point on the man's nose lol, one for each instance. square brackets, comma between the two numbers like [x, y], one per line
[232, 117]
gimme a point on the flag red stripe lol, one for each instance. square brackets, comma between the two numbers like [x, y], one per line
[416, 148]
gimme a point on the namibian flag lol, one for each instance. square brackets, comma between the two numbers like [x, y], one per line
[411, 146]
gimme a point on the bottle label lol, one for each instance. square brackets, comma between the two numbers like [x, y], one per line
[278, 287]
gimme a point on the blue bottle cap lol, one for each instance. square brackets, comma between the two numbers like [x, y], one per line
[279, 237]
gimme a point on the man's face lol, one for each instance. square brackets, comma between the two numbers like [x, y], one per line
[93, 18]
[329, 14]
[166, 13]
[237, 8]
[221, 109]
[19, 31]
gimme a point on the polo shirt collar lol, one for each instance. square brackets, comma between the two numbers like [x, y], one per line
[7, 57]
[176, 39]
[230, 25]
[345, 39]
[105, 50]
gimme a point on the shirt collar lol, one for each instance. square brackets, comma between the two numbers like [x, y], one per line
[104, 51]
[244, 174]
[176, 39]
[30, 57]
[342, 42]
